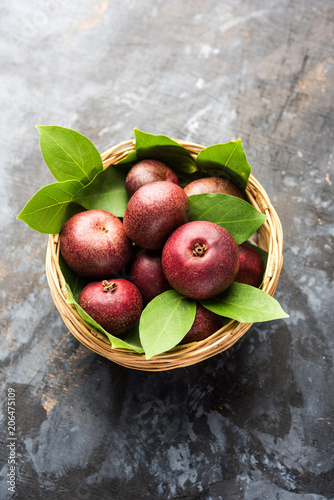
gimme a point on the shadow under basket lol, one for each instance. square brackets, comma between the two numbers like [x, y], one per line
[270, 238]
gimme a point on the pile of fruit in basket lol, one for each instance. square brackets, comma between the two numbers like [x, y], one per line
[154, 251]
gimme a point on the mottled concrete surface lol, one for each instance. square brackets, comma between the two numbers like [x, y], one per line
[256, 422]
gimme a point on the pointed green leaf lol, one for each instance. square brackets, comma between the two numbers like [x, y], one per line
[130, 341]
[76, 283]
[162, 148]
[165, 321]
[130, 159]
[49, 209]
[106, 192]
[237, 216]
[229, 158]
[68, 154]
[245, 304]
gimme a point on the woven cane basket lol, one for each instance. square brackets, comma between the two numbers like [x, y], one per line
[270, 238]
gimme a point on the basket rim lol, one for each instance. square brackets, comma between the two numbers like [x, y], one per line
[270, 236]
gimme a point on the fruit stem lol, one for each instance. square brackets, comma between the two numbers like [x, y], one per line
[199, 250]
[108, 287]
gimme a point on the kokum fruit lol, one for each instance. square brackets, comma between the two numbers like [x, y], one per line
[200, 259]
[213, 185]
[146, 171]
[251, 267]
[153, 212]
[114, 304]
[147, 274]
[94, 244]
[205, 324]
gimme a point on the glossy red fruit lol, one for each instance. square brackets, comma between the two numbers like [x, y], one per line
[94, 244]
[115, 304]
[154, 212]
[205, 324]
[200, 259]
[251, 268]
[213, 185]
[146, 171]
[147, 274]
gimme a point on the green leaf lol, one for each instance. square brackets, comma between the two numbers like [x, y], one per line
[106, 192]
[130, 341]
[161, 147]
[165, 321]
[68, 154]
[237, 216]
[49, 209]
[228, 158]
[245, 304]
[129, 160]
[76, 283]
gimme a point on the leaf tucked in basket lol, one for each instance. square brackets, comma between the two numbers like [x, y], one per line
[68, 154]
[51, 207]
[131, 339]
[106, 192]
[74, 286]
[161, 147]
[245, 304]
[228, 158]
[237, 216]
[165, 321]
[74, 161]
[76, 283]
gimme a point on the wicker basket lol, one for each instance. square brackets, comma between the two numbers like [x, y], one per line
[270, 238]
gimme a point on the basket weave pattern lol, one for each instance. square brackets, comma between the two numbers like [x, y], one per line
[270, 238]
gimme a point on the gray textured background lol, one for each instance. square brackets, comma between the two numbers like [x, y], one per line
[256, 422]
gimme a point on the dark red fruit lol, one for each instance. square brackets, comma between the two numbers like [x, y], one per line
[147, 274]
[213, 185]
[146, 171]
[251, 268]
[205, 324]
[116, 305]
[154, 212]
[94, 244]
[200, 259]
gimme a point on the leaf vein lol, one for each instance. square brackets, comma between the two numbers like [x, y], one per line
[68, 154]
